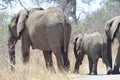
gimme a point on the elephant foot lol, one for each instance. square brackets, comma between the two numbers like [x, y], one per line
[66, 69]
[26, 60]
[12, 69]
[115, 72]
[51, 69]
[109, 71]
[93, 73]
[89, 73]
[76, 72]
[61, 69]
[66, 66]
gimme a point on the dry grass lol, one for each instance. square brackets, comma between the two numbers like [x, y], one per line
[36, 69]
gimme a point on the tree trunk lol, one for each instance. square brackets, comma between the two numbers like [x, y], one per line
[69, 8]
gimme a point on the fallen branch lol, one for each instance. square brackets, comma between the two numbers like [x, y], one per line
[9, 62]
[22, 5]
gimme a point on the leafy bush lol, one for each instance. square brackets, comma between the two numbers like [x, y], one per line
[4, 18]
[96, 20]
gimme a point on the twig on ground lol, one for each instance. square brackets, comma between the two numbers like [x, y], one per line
[9, 62]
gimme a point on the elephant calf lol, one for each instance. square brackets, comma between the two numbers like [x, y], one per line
[95, 46]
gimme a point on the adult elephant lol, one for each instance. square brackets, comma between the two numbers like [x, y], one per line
[95, 46]
[47, 30]
[112, 29]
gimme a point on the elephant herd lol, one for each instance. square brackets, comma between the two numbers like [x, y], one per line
[49, 30]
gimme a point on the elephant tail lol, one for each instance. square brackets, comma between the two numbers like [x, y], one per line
[75, 49]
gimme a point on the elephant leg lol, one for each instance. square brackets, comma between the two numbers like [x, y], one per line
[12, 57]
[59, 59]
[76, 68]
[25, 53]
[90, 65]
[94, 69]
[108, 67]
[48, 60]
[107, 62]
[58, 54]
[25, 48]
[117, 63]
[65, 58]
[117, 60]
[78, 62]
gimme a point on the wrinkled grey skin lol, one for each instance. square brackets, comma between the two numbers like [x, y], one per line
[112, 29]
[47, 30]
[95, 46]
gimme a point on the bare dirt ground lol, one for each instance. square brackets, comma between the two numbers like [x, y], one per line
[36, 70]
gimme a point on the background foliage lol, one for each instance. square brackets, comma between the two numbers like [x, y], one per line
[94, 21]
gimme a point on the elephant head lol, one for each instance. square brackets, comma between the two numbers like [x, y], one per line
[77, 43]
[16, 26]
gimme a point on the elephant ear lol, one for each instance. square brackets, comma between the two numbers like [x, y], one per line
[13, 25]
[75, 39]
[21, 21]
[113, 28]
[14, 19]
[79, 39]
[79, 36]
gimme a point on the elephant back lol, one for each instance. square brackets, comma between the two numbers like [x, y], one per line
[112, 26]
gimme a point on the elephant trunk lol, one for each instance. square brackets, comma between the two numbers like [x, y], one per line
[11, 48]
